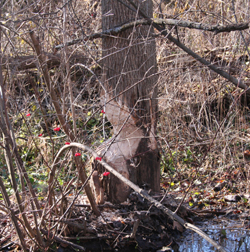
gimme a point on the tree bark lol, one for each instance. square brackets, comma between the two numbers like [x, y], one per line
[130, 77]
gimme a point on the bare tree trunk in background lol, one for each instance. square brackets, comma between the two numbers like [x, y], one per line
[129, 61]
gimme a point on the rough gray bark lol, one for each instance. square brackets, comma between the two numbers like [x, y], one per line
[129, 67]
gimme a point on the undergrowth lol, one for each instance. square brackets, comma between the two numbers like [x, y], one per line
[203, 123]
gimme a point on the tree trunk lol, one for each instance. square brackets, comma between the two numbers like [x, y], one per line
[130, 78]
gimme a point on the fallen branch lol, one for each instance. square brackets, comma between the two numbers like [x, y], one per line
[200, 26]
[21, 63]
[159, 21]
[137, 189]
[58, 239]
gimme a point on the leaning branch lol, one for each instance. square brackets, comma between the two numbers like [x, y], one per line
[167, 34]
[137, 189]
[159, 21]
[232, 79]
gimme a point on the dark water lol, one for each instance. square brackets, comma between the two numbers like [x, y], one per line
[229, 234]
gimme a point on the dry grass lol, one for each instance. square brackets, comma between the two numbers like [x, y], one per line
[201, 113]
[204, 120]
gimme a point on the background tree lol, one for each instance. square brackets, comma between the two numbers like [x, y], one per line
[129, 67]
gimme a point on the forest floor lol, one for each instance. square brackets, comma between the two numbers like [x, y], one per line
[136, 225]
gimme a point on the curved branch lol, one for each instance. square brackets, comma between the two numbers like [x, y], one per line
[159, 21]
[65, 125]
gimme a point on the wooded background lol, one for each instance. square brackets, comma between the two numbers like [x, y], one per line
[52, 92]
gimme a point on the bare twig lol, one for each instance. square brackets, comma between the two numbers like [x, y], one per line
[67, 66]
[64, 124]
[164, 32]
[135, 227]
[159, 21]
[12, 216]
[205, 27]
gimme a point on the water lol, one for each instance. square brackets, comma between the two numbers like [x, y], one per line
[229, 234]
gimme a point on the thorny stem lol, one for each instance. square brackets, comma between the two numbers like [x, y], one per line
[64, 124]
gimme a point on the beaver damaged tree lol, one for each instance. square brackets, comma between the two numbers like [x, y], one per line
[130, 78]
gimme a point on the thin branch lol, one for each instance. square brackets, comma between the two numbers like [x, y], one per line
[53, 60]
[200, 26]
[66, 127]
[159, 21]
[12, 216]
[232, 79]
[235, 81]
[2, 187]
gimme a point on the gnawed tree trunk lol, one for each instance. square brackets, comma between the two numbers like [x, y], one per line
[129, 66]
